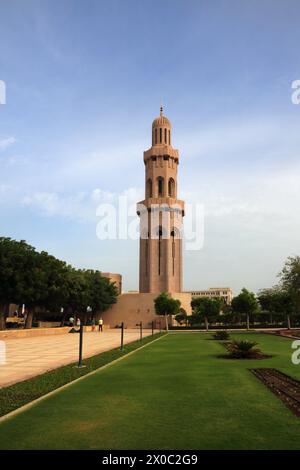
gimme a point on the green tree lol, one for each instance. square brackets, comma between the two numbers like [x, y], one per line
[266, 299]
[15, 270]
[279, 301]
[206, 309]
[283, 302]
[245, 303]
[43, 284]
[181, 317]
[290, 279]
[166, 305]
[79, 294]
[102, 292]
[42, 281]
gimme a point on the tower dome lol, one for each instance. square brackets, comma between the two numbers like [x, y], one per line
[161, 130]
[161, 120]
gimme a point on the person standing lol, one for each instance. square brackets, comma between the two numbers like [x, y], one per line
[93, 324]
[100, 324]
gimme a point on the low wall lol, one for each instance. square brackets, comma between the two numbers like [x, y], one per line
[13, 334]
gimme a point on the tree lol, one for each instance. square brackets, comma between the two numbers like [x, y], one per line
[40, 283]
[266, 301]
[102, 292]
[166, 305]
[206, 309]
[78, 293]
[290, 279]
[284, 303]
[245, 303]
[40, 280]
[279, 301]
[181, 317]
[15, 269]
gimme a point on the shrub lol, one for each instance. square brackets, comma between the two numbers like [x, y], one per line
[222, 335]
[243, 349]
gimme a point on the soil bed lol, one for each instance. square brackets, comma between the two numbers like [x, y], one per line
[282, 385]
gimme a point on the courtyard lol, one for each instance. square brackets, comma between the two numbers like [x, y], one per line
[175, 393]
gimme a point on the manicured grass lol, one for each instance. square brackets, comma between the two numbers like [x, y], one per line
[173, 394]
[19, 394]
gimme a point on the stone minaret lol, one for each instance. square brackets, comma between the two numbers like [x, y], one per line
[161, 215]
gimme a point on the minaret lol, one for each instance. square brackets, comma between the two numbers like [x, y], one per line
[161, 215]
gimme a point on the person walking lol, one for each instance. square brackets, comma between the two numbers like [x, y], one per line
[71, 321]
[93, 323]
[100, 324]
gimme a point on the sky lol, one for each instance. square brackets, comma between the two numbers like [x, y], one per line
[84, 80]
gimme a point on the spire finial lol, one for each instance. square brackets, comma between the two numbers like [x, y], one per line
[161, 110]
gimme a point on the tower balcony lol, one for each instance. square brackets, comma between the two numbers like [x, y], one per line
[161, 204]
[161, 151]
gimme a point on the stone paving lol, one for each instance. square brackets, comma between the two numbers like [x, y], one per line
[27, 357]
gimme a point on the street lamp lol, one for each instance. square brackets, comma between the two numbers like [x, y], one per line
[80, 364]
[122, 336]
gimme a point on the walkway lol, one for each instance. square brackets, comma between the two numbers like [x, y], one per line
[28, 357]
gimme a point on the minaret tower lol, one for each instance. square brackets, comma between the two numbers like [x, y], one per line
[161, 215]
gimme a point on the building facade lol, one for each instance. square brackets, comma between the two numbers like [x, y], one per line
[224, 293]
[116, 279]
[161, 215]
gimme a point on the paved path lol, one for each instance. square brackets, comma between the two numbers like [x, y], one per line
[27, 357]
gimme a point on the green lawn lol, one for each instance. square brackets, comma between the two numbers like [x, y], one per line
[174, 394]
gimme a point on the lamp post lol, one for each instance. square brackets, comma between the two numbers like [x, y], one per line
[122, 336]
[141, 331]
[80, 364]
[152, 326]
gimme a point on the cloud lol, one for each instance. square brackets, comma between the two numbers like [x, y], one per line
[250, 142]
[81, 206]
[7, 142]
[274, 195]
[51, 204]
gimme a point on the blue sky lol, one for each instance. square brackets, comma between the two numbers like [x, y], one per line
[84, 81]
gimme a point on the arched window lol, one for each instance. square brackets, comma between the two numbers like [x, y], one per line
[166, 136]
[160, 135]
[156, 136]
[171, 188]
[160, 186]
[149, 188]
[169, 137]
